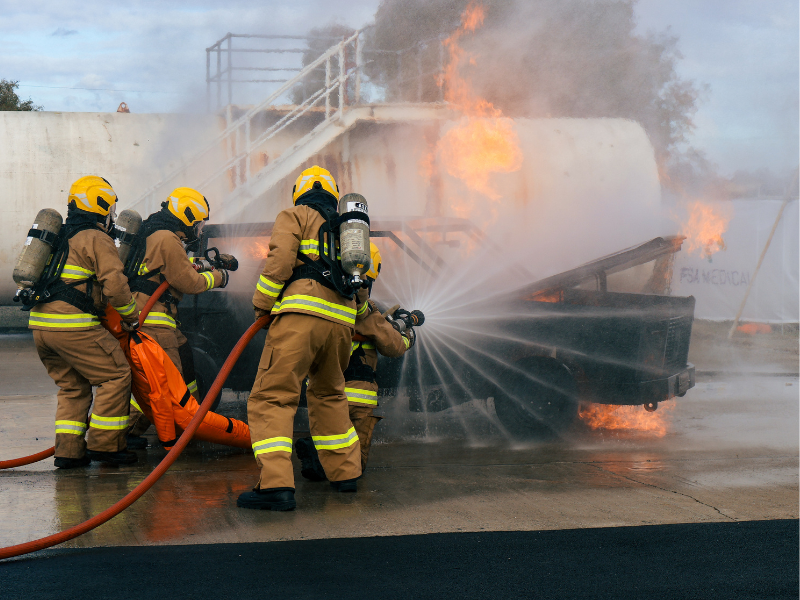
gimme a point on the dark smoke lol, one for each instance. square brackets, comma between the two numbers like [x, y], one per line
[551, 58]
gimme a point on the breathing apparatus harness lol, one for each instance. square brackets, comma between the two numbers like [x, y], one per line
[328, 269]
[50, 287]
[357, 370]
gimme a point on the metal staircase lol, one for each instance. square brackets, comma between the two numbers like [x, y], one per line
[335, 102]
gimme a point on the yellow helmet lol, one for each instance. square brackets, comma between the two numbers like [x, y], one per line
[92, 194]
[315, 178]
[188, 205]
[375, 262]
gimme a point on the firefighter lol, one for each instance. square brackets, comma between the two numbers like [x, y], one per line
[178, 224]
[360, 386]
[76, 350]
[310, 335]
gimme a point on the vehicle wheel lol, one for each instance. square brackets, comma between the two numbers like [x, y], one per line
[542, 403]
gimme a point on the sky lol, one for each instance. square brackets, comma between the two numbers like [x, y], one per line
[151, 55]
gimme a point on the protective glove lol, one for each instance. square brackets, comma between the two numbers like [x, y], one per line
[130, 326]
[260, 312]
[224, 282]
[410, 336]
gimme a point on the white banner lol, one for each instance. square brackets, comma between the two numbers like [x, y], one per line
[719, 282]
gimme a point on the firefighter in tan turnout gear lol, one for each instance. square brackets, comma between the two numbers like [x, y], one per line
[178, 223]
[76, 350]
[310, 335]
[360, 385]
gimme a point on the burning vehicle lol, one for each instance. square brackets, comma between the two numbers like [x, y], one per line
[540, 351]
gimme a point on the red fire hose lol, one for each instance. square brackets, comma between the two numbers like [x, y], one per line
[27, 460]
[166, 462]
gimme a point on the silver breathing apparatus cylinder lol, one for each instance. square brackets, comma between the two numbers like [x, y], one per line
[354, 237]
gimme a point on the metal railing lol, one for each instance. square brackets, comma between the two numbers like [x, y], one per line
[326, 97]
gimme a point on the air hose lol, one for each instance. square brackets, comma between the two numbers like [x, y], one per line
[28, 460]
[166, 462]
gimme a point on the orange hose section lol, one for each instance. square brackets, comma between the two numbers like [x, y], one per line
[28, 460]
[166, 462]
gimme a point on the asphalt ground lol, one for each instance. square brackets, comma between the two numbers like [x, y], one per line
[755, 559]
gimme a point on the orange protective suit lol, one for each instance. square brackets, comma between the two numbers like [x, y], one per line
[160, 390]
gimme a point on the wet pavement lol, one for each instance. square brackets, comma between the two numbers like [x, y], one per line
[730, 454]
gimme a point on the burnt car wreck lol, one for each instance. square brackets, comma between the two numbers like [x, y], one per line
[577, 342]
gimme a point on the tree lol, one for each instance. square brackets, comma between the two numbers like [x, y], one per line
[9, 99]
[547, 58]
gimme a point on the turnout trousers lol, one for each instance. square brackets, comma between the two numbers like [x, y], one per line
[76, 361]
[364, 422]
[176, 346]
[298, 345]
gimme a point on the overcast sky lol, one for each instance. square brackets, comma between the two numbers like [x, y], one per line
[151, 54]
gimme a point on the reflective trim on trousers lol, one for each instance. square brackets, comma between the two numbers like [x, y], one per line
[108, 422]
[73, 427]
[157, 318]
[334, 442]
[341, 313]
[192, 387]
[266, 287]
[75, 272]
[135, 405]
[58, 321]
[275, 444]
[209, 277]
[361, 396]
[127, 309]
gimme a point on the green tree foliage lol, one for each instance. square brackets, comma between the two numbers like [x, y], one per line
[546, 58]
[9, 99]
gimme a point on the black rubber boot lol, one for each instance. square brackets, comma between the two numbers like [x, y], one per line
[113, 458]
[348, 485]
[136, 442]
[310, 467]
[270, 499]
[72, 463]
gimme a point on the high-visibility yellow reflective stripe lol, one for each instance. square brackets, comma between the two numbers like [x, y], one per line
[73, 427]
[192, 387]
[58, 321]
[265, 286]
[209, 277]
[127, 309]
[99, 422]
[361, 396]
[156, 318]
[333, 442]
[341, 313]
[363, 308]
[143, 270]
[135, 405]
[365, 345]
[312, 247]
[275, 444]
[407, 342]
[76, 272]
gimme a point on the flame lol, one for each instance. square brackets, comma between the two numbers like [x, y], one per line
[483, 141]
[703, 228]
[633, 419]
[258, 250]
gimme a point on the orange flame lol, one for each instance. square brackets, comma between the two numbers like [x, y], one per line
[482, 142]
[258, 250]
[703, 228]
[631, 419]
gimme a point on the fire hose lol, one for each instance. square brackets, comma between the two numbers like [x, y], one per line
[29, 460]
[166, 462]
